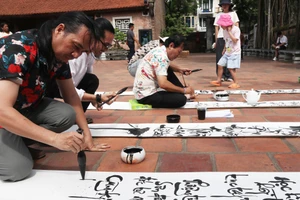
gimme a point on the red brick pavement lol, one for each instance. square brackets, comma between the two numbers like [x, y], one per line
[196, 154]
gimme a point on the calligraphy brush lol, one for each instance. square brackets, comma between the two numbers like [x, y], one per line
[81, 158]
[132, 126]
[183, 80]
[119, 92]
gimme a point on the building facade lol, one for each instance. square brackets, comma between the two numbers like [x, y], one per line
[147, 15]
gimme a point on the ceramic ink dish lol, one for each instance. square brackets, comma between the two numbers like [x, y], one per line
[221, 96]
[133, 154]
[173, 118]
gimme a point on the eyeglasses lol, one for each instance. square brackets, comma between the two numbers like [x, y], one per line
[105, 45]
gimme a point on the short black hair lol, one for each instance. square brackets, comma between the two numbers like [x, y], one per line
[2, 24]
[279, 33]
[73, 21]
[104, 25]
[131, 25]
[177, 39]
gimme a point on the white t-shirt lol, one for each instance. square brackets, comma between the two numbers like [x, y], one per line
[282, 39]
[2, 34]
[79, 67]
[231, 47]
[234, 18]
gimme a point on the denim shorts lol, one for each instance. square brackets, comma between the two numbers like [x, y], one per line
[231, 62]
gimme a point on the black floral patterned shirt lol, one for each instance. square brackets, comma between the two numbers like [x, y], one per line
[20, 59]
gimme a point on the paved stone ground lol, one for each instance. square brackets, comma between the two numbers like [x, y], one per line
[196, 154]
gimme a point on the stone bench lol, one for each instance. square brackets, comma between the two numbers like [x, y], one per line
[290, 55]
[116, 54]
[286, 55]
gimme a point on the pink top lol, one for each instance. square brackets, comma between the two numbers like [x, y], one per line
[231, 47]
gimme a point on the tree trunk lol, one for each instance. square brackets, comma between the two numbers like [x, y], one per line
[269, 25]
[298, 26]
[209, 32]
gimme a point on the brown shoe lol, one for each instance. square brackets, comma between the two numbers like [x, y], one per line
[36, 153]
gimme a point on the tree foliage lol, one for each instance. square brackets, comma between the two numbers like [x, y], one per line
[247, 11]
[285, 17]
[120, 37]
[175, 10]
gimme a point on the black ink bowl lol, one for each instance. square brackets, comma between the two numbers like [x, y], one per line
[173, 118]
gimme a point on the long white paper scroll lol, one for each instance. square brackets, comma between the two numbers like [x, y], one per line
[66, 185]
[271, 91]
[249, 129]
[213, 104]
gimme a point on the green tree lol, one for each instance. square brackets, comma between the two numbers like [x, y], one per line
[120, 37]
[175, 11]
[247, 11]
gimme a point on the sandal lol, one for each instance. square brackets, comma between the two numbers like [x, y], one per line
[216, 83]
[234, 86]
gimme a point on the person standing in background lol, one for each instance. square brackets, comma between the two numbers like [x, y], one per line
[130, 41]
[4, 30]
[227, 6]
[242, 39]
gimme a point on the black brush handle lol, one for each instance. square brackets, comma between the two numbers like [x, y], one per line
[119, 92]
[81, 158]
[196, 70]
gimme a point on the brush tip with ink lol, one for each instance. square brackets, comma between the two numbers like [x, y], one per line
[81, 158]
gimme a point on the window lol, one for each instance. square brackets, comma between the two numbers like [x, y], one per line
[202, 22]
[189, 21]
[122, 23]
[145, 36]
[206, 5]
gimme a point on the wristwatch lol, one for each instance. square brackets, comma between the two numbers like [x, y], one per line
[98, 98]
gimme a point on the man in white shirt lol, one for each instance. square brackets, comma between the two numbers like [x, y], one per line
[281, 44]
[4, 30]
[86, 83]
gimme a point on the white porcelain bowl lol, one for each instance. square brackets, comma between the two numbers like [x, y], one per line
[221, 96]
[133, 154]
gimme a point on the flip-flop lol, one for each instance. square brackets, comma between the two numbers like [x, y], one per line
[216, 83]
[234, 86]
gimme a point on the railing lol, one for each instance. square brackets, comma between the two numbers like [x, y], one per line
[116, 54]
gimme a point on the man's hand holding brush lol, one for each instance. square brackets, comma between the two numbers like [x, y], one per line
[103, 98]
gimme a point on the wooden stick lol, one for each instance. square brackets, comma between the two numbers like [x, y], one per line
[183, 80]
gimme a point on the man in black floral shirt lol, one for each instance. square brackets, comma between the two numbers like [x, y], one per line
[29, 60]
